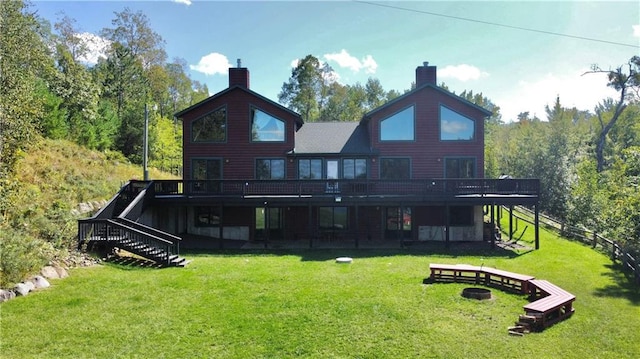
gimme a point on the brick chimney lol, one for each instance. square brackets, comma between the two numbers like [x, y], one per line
[239, 76]
[425, 74]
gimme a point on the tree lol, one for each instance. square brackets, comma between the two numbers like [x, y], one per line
[627, 83]
[69, 38]
[23, 59]
[132, 31]
[307, 90]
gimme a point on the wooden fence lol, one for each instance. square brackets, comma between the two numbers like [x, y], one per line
[630, 262]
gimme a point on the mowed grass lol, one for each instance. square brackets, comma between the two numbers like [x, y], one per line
[303, 304]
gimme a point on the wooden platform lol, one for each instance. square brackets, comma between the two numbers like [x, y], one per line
[549, 303]
[491, 277]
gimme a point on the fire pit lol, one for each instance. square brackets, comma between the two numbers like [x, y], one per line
[476, 293]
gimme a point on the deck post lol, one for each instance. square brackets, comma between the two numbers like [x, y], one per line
[510, 222]
[357, 227]
[493, 226]
[446, 227]
[221, 226]
[267, 224]
[537, 226]
[310, 225]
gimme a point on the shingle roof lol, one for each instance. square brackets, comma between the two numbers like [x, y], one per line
[332, 138]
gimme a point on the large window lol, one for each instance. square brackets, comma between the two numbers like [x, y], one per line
[455, 127]
[461, 215]
[206, 216]
[395, 168]
[399, 126]
[211, 127]
[270, 218]
[460, 167]
[309, 168]
[267, 169]
[332, 217]
[354, 168]
[398, 222]
[203, 172]
[266, 128]
[206, 169]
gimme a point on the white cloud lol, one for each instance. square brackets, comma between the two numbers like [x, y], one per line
[462, 72]
[636, 30]
[211, 64]
[96, 47]
[344, 59]
[583, 92]
[186, 2]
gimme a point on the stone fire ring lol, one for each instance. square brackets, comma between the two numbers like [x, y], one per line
[477, 293]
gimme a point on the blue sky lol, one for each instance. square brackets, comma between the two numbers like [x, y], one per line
[519, 70]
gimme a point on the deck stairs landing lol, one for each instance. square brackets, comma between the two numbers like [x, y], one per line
[115, 226]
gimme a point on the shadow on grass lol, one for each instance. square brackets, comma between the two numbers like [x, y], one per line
[129, 262]
[454, 250]
[624, 286]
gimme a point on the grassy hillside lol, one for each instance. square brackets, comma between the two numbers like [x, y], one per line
[51, 179]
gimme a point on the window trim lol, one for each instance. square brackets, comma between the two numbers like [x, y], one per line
[256, 108]
[413, 106]
[211, 211]
[475, 165]
[219, 159]
[310, 159]
[333, 219]
[284, 168]
[381, 159]
[355, 159]
[226, 126]
[474, 121]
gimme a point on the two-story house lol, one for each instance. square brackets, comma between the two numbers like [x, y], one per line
[410, 170]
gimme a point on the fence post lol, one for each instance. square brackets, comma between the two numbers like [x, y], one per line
[595, 239]
[613, 250]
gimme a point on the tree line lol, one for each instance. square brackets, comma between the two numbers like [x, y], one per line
[48, 88]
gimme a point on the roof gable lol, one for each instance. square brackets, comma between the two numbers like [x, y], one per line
[421, 88]
[225, 92]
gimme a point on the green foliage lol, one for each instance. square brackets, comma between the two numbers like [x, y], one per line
[166, 152]
[20, 255]
[37, 201]
[22, 58]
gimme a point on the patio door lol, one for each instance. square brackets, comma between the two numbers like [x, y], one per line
[332, 174]
[269, 223]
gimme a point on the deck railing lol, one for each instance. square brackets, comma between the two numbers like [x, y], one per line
[429, 187]
[108, 230]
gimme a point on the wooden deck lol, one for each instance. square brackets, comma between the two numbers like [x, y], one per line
[550, 303]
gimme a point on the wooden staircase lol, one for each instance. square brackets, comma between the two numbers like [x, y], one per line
[115, 226]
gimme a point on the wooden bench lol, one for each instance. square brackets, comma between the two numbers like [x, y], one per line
[490, 277]
[550, 305]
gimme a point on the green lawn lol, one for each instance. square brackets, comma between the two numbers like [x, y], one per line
[303, 304]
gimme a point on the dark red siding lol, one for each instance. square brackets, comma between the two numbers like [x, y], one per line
[428, 152]
[238, 153]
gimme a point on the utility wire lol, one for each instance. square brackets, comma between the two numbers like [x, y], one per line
[497, 24]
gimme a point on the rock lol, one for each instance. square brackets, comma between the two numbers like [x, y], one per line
[62, 273]
[50, 272]
[85, 207]
[6, 295]
[40, 282]
[21, 289]
[29, 285]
